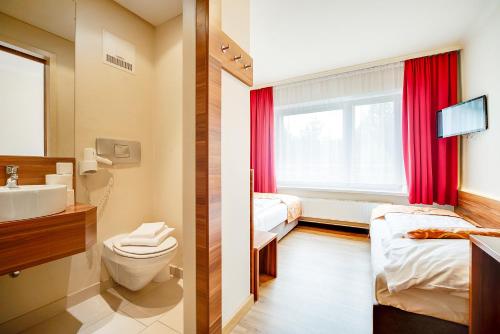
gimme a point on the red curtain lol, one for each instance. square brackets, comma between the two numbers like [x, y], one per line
[431, 164]
[262, 139]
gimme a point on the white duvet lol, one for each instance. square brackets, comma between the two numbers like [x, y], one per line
[428, 264]
[268, 213]
[261, 204]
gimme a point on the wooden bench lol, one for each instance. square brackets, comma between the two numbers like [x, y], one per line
[265, 254]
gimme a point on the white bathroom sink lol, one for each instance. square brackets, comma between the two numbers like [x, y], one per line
[31, 201]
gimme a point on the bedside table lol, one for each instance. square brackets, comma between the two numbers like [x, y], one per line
[484, 303]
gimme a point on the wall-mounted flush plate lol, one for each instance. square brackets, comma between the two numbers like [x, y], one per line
[119, 151]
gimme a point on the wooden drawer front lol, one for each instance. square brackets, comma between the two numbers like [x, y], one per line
[28, 243]
[484, 292]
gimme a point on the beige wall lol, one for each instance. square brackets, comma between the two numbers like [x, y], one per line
[61, 55]
[189, 162]
[40, 285]
[145, 106]
[235, 169]
[480, 69]
[54, 16]
[235, 21]
[112, 103]
[167, 128]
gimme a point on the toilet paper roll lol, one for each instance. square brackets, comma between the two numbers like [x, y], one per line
[71, 197]
[66, 180]
[64, 168]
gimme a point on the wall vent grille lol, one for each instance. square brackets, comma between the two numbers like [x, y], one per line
[118, 52]
[119, 62]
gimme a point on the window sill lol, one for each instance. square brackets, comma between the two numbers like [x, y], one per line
[347, 191]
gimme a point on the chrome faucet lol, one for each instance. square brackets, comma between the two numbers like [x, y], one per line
[11, 171]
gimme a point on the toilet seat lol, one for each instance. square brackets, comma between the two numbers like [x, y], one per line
[141, 252]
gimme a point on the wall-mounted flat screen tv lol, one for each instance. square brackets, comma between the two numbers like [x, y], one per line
[466, 117]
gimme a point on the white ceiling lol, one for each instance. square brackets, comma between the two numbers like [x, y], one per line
[291, 38]
[155, 12]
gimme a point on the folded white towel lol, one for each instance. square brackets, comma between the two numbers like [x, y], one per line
[147, 230]
[152, 242]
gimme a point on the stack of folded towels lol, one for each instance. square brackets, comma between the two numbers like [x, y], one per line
[148, 234]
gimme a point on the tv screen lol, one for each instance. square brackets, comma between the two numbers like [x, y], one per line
[466, 117]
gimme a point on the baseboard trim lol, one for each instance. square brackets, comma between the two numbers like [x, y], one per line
[84, 294]
[242, 311]
[48, 311]
[107, 284]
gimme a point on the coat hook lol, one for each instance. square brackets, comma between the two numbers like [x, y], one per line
[224, 48]
[237, 58]
[246, 66]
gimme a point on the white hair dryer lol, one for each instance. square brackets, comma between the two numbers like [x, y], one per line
[88, 165]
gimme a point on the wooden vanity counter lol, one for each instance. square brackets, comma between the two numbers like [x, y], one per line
[30, 242]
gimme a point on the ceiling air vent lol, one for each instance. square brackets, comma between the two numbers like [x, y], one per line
[118, 52]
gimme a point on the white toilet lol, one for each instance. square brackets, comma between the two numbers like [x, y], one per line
[135, 266]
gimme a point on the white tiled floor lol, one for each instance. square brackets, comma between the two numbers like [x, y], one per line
[158, 308]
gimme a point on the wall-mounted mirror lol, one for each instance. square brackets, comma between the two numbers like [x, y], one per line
[37, 75]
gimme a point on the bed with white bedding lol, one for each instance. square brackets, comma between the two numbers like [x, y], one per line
[268, 213]
[426, 277]
[275, 213]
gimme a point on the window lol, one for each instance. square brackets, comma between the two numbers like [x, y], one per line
[22, 104]
[344, 143]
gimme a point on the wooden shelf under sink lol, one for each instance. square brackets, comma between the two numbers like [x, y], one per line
[30, 242]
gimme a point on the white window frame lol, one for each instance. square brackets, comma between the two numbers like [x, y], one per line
[27, 150]
[347, 105]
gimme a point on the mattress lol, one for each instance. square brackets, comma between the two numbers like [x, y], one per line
[269, 213]
[451, 306]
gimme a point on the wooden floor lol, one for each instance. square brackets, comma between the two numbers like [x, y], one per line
[323, 286]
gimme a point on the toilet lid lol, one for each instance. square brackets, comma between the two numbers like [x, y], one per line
[166, 246]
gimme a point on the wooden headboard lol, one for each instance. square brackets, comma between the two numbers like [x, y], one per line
[482, 210]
